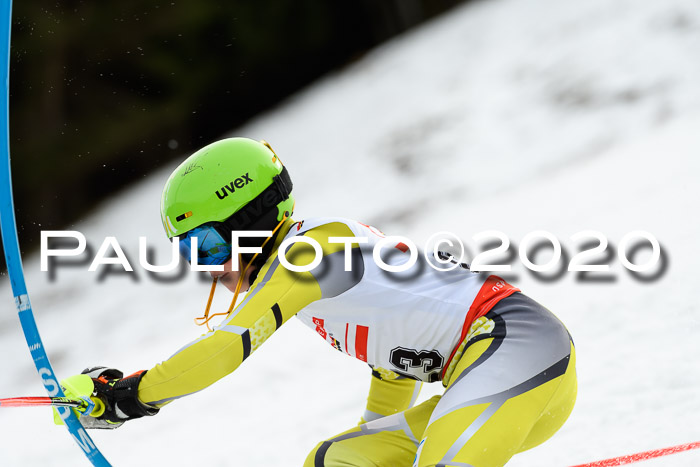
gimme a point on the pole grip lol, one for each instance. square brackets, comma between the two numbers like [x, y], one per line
[99, 407]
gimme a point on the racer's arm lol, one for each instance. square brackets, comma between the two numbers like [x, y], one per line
[276, 296]
[389, 393]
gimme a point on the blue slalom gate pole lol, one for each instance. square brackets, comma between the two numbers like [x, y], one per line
[10, 242]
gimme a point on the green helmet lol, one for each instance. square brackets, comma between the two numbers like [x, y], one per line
[237, 180]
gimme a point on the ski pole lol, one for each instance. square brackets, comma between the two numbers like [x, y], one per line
[642, 456]
[89, 406]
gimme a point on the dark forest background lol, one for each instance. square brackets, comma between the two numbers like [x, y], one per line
[102, 92]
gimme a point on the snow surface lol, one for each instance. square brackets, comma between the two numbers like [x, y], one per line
[510, 115]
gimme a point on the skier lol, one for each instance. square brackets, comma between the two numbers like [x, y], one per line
[507, 363]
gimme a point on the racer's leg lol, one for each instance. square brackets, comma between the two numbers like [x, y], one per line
[558, 409]
[514, 386]
[387, 442]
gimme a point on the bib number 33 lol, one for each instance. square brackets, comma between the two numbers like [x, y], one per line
[424, 365]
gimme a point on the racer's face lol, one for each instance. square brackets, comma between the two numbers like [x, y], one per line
[229, 278]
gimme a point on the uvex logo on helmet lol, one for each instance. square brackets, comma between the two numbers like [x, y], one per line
[240, 182]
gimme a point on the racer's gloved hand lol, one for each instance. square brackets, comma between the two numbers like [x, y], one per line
[119, 395]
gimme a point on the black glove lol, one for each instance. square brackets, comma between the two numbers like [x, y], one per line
[119, 395]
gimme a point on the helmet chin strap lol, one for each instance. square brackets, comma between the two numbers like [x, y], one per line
[198, 321]
[202, 320]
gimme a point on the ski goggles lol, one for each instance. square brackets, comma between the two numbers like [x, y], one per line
[212, 247]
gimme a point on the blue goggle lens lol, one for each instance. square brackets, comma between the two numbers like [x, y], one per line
[212, 248]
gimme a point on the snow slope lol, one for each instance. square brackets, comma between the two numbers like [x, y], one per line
[509, 115]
